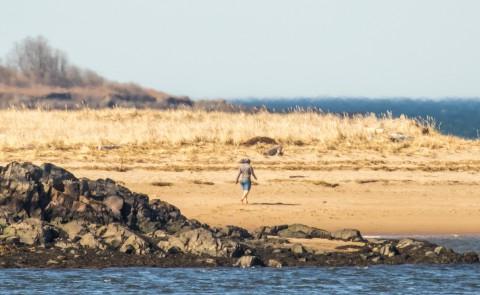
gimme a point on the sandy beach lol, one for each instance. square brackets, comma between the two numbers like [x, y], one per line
[399, 202]
[344, 174]
[399, 196]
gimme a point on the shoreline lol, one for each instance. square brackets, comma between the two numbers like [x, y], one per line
[50, 218]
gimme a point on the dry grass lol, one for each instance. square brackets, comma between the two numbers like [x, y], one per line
[120, 140]
[96, 128]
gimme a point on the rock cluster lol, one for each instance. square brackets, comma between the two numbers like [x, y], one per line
[50, 218]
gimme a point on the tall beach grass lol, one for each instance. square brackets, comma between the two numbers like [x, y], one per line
[24, 128]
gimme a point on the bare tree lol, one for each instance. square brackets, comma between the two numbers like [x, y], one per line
[34, 60]
[39, 62]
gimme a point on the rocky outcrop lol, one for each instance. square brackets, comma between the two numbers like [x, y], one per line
[200, 241]
[50, 218]
[248, 261]
[348, 235]
[303, 231]
[31, 232]
[52, 194]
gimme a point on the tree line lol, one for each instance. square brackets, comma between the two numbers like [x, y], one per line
[33, 61]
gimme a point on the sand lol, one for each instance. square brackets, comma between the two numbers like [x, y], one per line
[404, 193]
[375, 202]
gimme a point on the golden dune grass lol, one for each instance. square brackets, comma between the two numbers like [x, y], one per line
[91, 128]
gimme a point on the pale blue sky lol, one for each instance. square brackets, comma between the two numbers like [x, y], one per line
[266, 48]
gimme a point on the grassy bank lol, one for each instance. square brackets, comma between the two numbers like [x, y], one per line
[121, 139]
[70, 129]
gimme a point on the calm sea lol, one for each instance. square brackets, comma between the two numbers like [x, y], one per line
[401, 279]
[459, 117]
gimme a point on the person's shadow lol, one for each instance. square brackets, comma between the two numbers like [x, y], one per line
[275, 204]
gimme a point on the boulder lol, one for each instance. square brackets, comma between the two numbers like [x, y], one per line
[88, 240]
[114, 234]
[135, 245]
[430, 254]
[51, 193]
[274, 151]
[470, 257]
[440, 250]
[31, 232]
[274, 263]
[406, 243]
[248, 261]
[115, 204]
[303, 231]
[201, 242]
[298, 249]
[348, 235]
[172, 246]
[73, 229]
[388, 250]
[236, 232]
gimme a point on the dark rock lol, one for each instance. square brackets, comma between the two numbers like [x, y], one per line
[47, 213]
[348, 235]
[274, 263]
[236, 232]
[248, 261]
[31, 232]
[298, 249]
[52, 193]
[201, 241]
[470, 257]
[303, 231]
[274, 151]
[388, 250]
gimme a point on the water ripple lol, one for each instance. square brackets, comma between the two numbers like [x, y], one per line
[404, 279]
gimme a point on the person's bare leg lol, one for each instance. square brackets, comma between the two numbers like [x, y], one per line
[245, 197]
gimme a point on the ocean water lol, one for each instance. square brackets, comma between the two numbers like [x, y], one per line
[455, 116]
[392, 279]
[403, 279]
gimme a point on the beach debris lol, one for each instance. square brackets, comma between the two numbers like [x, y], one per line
[297, 176]
[161, 183]
[259, 139]
[274, 151]
[400, 137]
[202, 182]
[108, 147]
[325, 183]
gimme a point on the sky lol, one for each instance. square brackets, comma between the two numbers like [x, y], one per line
[264, 48]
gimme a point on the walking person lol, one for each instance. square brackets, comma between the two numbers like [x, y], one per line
[245, 175]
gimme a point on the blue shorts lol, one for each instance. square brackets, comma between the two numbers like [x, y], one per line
[246, 185]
